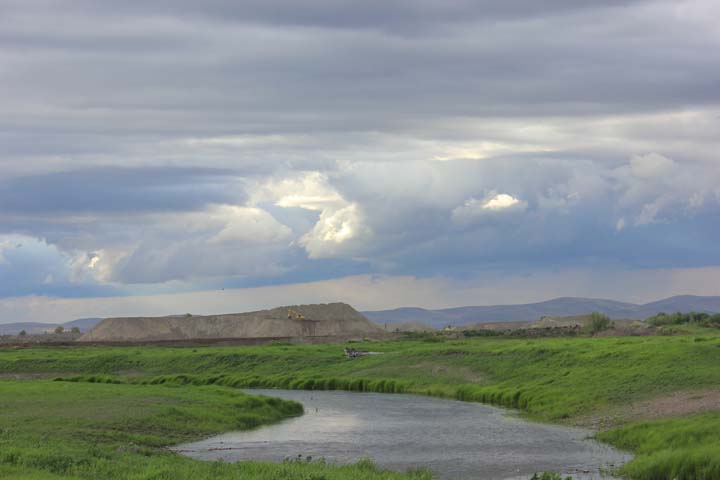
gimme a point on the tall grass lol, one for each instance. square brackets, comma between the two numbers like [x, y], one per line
[680, 448]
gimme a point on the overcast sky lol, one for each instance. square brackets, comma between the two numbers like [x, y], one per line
[168, 156]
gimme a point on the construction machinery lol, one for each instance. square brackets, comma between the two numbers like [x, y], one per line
[292, 314]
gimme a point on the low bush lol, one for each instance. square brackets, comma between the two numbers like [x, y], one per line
[678, 318]
[599, 323]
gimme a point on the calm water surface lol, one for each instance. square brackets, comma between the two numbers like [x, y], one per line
[456, 440]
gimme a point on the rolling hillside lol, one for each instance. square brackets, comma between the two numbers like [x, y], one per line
[84, 324]
[559, 307]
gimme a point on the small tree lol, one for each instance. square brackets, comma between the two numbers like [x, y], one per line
[23, 333]
[599, 323]
[75, 329]
[59, 329]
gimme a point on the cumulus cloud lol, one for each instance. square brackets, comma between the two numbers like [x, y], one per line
[493, 205]
[335, 232]
[339, 225]
[655, 188]
[222, 241]
[309, 190]
[501, 201]
[244, 226]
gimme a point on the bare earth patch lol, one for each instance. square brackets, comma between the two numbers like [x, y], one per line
[676, 404]
[672, 405]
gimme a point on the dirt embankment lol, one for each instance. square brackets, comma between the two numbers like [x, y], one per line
[320, 320]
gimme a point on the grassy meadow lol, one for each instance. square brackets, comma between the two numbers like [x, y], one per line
[569, 380]
[62, 431]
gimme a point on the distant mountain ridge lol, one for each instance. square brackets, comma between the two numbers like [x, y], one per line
[558, 307]
[84, 324]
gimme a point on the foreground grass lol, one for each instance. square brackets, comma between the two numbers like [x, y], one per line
[61, 431]
[555, 379]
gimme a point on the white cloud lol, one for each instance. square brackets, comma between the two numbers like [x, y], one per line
[340, 225]
[492, 205]
[221, 240]
[500, 202]
[93, 261]
[96, 265]
[309, 190]
[656, 189]
[333, 231]
[247, 226]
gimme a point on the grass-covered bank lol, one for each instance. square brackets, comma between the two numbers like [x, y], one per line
[556, 379]
[551, 378]
[671, 448]
[58, 430]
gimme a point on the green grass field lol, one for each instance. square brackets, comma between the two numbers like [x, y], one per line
[551, 379]
[58, 430]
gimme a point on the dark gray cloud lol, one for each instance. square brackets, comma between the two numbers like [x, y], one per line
[401, 15]
[181, 145]
[119, 190]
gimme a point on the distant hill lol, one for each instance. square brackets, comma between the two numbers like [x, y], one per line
[409, 327]
[84, 324]
[559, 307]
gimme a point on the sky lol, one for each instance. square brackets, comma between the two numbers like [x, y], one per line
[161, 157]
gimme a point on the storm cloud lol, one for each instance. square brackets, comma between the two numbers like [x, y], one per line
[159, 147]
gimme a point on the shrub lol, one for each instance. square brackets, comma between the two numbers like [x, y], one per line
[678, 318]
[548, 476]
[599, 323]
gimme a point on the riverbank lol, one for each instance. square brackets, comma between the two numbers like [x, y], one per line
[570, 380]
[72, 431]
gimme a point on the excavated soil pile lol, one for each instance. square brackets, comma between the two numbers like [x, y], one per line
[334, 319]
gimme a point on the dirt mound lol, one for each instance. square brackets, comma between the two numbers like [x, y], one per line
[334, 319]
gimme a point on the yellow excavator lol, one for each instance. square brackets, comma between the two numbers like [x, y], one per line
[292, 314]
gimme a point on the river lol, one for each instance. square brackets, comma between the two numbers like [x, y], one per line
[455, 440]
